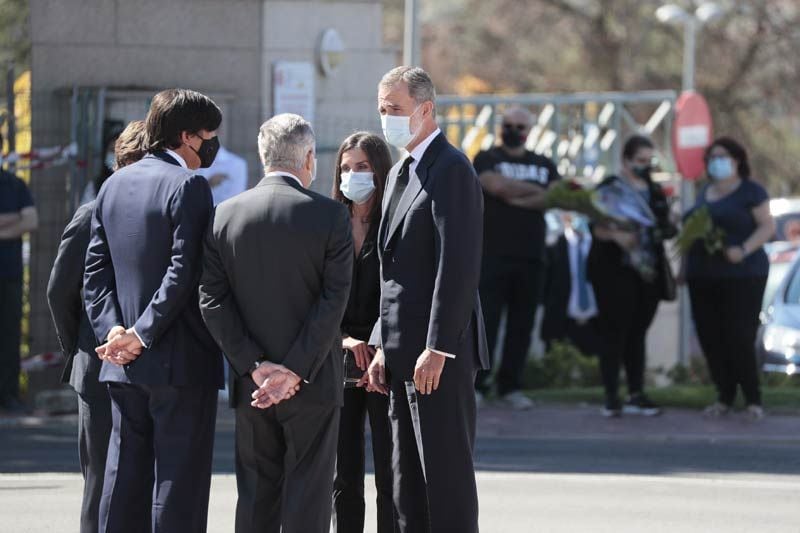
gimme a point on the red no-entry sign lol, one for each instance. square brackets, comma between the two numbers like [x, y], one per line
[691, 134]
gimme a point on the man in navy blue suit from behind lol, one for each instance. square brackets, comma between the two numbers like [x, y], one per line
[161, 365]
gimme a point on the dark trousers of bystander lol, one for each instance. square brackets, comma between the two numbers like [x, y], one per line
[348, 485]
[725, 312]
[626, 307]
[94, 430]
[10, 322]
[514, 285]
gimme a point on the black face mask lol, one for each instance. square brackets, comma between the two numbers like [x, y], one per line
[512, 138]
[643, 172]
[208, 151]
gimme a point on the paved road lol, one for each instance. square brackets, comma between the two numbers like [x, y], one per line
[550, 469]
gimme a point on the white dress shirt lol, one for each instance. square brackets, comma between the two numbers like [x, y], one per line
[234, 168]
[420, 149]
[179, 159]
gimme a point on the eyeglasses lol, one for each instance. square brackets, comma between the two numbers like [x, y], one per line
[518, 127]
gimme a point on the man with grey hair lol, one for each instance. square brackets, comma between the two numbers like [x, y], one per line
[276, 277]
[430, 332]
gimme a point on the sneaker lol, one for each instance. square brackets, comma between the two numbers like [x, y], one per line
[754, 412]
[716, 410]
[612, 409]
[480, 400]
[639, 404]
[516, 400]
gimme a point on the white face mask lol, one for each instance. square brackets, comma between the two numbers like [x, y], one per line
[397, 129]
[357, 186]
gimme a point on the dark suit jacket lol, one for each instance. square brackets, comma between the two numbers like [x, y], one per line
[277, 270]
[142, 270]
[65, 296]
[431, 262]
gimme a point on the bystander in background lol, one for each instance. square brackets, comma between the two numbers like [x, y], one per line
[17, 217]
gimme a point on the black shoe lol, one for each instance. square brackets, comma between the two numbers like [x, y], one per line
[639, 404]
[612, 409]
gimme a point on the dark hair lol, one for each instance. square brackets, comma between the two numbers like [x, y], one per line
[736, 151]
[177, 110]
[131, 144]
[634, 144]
[380, 160]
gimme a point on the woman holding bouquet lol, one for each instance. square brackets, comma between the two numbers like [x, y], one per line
[630, 274]
[726, 287]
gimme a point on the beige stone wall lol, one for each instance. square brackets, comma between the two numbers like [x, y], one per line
[218, 47]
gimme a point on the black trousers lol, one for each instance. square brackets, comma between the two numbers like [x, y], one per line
[10, 328]
[725, 315]
[158, 472]
[94, 430]
[514, 285]
[445, 499]
[626, 307]
[348, 484]
[285, 458]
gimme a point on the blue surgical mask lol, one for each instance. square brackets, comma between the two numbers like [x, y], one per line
[357, 186]
[110, 161]
[720, 168]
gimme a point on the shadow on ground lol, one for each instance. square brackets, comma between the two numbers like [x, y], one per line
[544, 440]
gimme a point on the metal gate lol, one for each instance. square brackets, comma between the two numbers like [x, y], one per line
[581, 132]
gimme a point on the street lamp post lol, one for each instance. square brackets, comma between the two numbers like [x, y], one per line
[691, 22]
[411, 37]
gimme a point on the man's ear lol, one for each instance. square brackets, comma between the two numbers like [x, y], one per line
[431, 108]
[186, 137]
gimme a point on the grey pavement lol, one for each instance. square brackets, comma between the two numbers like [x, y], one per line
[552, 468]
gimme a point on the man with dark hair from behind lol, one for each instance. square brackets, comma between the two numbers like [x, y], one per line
[162, 367]
[82, 370]
[17, 217]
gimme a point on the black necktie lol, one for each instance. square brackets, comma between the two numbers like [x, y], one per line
[400, 185]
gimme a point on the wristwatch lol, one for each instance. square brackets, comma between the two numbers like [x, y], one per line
[256, 365]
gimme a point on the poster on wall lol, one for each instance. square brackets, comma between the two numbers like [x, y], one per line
[293, 88]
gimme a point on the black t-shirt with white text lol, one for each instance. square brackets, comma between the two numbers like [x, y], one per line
[510, 231]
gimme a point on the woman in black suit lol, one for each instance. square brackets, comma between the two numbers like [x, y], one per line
[362, 164]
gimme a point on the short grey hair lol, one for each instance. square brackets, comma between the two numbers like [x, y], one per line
[284, 140]
[420, 85]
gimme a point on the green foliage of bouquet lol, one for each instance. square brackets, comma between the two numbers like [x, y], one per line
[700, 226]
[571, 196]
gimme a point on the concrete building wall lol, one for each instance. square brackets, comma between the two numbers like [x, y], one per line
[224, 49]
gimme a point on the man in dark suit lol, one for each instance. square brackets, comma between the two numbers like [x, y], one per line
[142, 271]
[78, 343]
[430, 329]
[276, 278]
